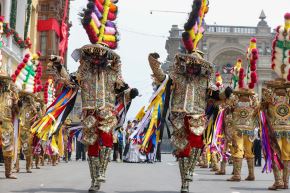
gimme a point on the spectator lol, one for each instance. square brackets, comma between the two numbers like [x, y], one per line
[115, 145]
[128, 133]
[81, 153]
[1, 156]
[158, 152]
[257, 152]
[120, 138]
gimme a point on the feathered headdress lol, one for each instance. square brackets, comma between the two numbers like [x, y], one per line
[49, 92]
[281, 50]
[98, 22]
[194, 27]
[27, 76]
[252, 57]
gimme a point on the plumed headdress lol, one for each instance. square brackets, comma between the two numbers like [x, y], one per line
[240, 75]
[98, 22]
[194, 27]
[193, 33]
[252, 58]
[27, 76]
[281, 50]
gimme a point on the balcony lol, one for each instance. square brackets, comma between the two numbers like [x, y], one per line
[223, 29]
[12, 48]
[231, 29]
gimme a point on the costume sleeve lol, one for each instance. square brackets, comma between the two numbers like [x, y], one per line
[63, 75]
[156, 69]
[122, 89]
[15, 98]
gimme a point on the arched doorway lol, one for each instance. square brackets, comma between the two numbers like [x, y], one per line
[226, 60]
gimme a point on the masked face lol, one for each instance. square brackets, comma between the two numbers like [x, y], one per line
[184, 65]
[193, 70]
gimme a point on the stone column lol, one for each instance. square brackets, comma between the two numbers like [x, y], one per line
[6, 9]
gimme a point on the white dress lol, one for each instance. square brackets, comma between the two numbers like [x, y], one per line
[133, 154]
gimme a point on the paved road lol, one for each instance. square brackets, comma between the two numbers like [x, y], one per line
[162, 177]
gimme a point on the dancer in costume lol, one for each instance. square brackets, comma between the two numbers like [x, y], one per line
[67, 140]
[38, 151]
[8, 106]
[191, 77]
[244, 106]
[100, 79]
[216, 131]
[275, 115]
[27, 79]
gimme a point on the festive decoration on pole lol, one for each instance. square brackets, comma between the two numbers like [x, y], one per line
[281, 50]
[64, 32]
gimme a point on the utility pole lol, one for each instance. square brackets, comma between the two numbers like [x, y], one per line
[168, 11]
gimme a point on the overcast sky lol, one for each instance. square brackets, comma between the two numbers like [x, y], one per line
[142, 32]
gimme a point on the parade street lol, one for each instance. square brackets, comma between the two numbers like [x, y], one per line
[161, 177]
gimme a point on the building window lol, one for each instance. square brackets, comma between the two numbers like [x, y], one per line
[44, 7]
[43, 42]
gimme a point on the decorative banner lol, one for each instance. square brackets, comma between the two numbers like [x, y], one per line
[55, 114]
[64, 32]
[148, 130]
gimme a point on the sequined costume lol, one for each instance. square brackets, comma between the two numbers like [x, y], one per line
[8, 106]
[275, 113]
[101, 83]
[276, 100]
[27, 115]
[244, 108]
[188, 105]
